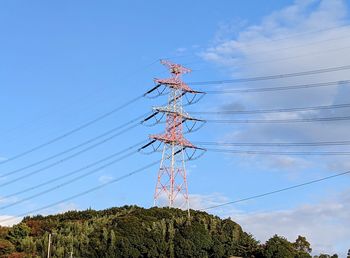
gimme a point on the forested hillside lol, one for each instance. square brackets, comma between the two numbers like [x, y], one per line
[131, 231]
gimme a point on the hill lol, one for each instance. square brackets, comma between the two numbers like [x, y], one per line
[131, 231]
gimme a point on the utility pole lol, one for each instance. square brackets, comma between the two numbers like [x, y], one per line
[49, 247]
[71, 251]
[72, 246]
[171, 187]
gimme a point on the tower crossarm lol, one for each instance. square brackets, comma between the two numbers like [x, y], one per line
[179, 112]
[168, 139]
[175, 83]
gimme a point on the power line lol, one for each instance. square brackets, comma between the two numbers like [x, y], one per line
[281, 88]
[272, 77]
[253, 152]
[62, 160]
[325, 51]
[277, 191]
[77, 129]
[82, 144]
[73, 172]
[296, 35]
[86, 191]
[143, 67]
[262, 121]
[70, 181]
[276, 144]
[293, 47]
[279, 39]
[317, 53]
[280, 110]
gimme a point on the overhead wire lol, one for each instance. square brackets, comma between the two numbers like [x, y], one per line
[276, 50]
[245, 45]
[276, 191]
[266, 152]
[281, 88]
[75, 130]
[139, 170]
[262, 121]
[308, 54]
[278, 110]
[146, 66]
[296, 35]
[34, 172]
[47, 182]
[275, 144]
[82, 144]
[273, 77]
[317, 53]
[86, 191]
[70, 181]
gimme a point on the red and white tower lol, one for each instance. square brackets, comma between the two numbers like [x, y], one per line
[171, 188]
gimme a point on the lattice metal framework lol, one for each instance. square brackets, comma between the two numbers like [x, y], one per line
[171, 188]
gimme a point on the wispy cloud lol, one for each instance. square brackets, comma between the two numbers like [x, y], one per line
[325, 223]
[8, 200]
[306, 35]
[199, 201]
[296, 38]
[7, 220]
[105, 179]
[59, 208]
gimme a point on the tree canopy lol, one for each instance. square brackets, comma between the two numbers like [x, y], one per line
[131, 231]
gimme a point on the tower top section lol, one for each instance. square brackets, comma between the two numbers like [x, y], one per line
[175, 81]
[175, 69]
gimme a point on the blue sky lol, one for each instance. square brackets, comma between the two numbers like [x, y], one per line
[63, 64]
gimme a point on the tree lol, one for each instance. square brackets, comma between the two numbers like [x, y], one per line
[6, 247]
[301, 244]
[327, 256]
[248, 246]
[17, 233]
[18, 255]
[279, 247]
[324, 256]
[348, 254]
[302, 247]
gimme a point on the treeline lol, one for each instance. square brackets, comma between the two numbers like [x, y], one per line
[132, 231]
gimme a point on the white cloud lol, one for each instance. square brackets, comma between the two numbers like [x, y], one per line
[8, 200]
[270, 48]
[7, 220]
[105, 179]
[325, 224]
[199, 201]
[64, 207]
[59, 208]
[181, 50]
[196, 201]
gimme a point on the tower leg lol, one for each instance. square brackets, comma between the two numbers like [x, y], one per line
[171, 188]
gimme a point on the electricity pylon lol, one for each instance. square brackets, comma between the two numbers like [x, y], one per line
[172, 187]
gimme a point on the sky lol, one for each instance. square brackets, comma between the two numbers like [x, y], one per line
[65, 63]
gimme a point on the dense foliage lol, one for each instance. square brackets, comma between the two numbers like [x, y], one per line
[131, 231]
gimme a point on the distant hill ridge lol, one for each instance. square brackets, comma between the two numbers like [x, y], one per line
[131, 231]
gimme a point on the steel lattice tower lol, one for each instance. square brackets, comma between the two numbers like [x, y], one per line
[171, 187]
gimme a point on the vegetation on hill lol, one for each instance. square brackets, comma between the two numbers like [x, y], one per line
[132, 231]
